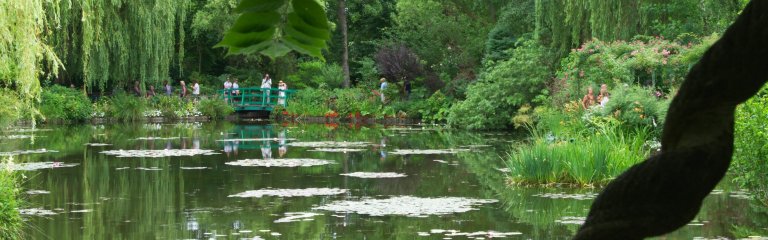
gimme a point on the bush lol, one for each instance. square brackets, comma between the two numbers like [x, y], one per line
[751, 146]
[168, 106]
[310, 102]
[127, 108]
[635, 107]
[214, 108]
[503, 88]
[317, 74]
[434, 109]
[64, 104]
[10, 219]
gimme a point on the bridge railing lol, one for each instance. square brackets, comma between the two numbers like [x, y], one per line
[256, 98]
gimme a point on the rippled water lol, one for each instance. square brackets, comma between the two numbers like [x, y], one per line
[151, 181]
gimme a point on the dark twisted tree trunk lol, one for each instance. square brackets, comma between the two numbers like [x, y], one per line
[666, 191]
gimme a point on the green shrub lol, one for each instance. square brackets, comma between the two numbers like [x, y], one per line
[491, 101]
[317, 74]
[10, 219]
[635, 107]
[168, 106]
[214, 108]
[434, 109]
[310, 102]
[751, 146]
[127, 108]
[64, 104]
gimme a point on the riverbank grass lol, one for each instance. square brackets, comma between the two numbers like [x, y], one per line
[582, 160]
[10, 219]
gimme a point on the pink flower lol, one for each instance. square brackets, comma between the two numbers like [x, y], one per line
[664, 61]
[665, 52]
[581, 73]
[635, 52]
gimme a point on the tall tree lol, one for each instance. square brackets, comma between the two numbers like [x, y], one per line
[342, 12]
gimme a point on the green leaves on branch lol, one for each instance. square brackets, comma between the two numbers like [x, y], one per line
[271, 28]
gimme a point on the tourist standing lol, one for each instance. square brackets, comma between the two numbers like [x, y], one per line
[137, 89]
[383, 86]
[168, 89]
[603, 97]
[282, 86]
[151, 92]
[227, 89]
[183, 90]
[589, 99]
[196, 90]
[266, 84]
[235, 87]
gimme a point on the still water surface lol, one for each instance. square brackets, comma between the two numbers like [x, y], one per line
[96, 191]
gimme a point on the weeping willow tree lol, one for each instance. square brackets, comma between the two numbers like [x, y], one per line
[24, 55]
[565, 24]
[111, 43]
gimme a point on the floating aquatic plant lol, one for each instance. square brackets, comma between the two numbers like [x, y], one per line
[255, 139]
[571, 220]
[307, 192]
[37, 192]
[98, 144]
[24, 152]
[336, 150]
[193, 168]
[36, 212]
[427, 151]
[478, 234]
[157, 138]
[575, 196]
[329, 144]
[297, 217]
[160, 153]
[290, 162]
[36, 166]
[374, 175]
[407, 206]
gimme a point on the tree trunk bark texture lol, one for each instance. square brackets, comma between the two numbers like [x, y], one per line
[666, 191]
[343, 24]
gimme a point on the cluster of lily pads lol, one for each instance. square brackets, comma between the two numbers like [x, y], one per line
[406, 206]
[33, 166]
[24, 152]
[427, 152]
[574, 196]
[374, 175]
[307, 192]
[471, 235]
[159, 153]
[287, 162]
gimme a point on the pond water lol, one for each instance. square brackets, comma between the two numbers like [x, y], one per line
[230, 181]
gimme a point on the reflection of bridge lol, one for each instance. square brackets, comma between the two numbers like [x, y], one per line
[250, 137]
[256, 99]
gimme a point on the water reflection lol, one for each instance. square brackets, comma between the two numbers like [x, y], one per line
[174, 203]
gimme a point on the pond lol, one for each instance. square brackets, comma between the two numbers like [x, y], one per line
[230, 181]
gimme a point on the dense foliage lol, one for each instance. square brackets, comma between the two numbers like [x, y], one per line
[750, 162]
[59, 103]
[10, 220]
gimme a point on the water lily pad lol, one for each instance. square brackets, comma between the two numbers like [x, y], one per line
[149, 169]
[329, 144]
[37, 192]
[193, 168]
[37, 166]
[289, 162]
[571, 220]
[336, 150]
[24, 152]
[427, 151]
[407, 206]
[374, 175]
[36, 212]
[307, 192]
[575, 196]
[82, 211]
[98, 144]
[157, 138]
[482, 234]
[160, 153]
[297, 217]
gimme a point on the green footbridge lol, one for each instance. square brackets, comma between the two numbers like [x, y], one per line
[256, 99]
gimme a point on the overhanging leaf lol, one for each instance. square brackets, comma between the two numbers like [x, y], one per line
[311, 12]
[276, 50]
[255, 22]
[298, 23]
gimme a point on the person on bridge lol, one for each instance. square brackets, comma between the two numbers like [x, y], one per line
[195, 90]
[235, 88]
[383, 86]
[266, 84]
[183, 93]
[227, 88]
[282, 86]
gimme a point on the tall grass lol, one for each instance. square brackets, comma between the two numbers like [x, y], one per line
[10, 219]
[580, 159]
[127, 108]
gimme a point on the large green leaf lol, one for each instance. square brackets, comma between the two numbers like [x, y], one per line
[258, 29]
